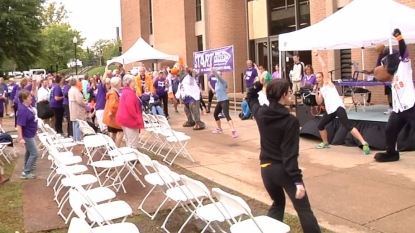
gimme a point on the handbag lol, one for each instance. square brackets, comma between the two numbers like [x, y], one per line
[44, 111]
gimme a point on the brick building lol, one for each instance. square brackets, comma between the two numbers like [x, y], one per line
[251, 26]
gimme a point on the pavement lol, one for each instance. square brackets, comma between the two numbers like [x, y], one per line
[348, 191]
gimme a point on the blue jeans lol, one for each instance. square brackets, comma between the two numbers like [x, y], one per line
[157, 110]
[30, 155]
[76, 131]
[245, 108]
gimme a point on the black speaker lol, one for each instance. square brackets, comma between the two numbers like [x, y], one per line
[303, 113]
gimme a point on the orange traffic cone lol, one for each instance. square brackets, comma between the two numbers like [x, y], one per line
[2, 179]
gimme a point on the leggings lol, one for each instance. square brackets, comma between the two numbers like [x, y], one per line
[202, 103]
[394, 126]
[15, 106]
[59, 119]
[210, 96]
[222, 106]
[68, 114]
[164, 99]
[341, 114]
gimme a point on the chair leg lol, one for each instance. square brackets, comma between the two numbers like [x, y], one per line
[163, 226]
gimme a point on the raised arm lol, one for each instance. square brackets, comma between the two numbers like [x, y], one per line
[403, 49]
[324, 69]
[218, 76]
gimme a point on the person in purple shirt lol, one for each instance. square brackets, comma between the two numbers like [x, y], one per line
[65, 104]
[26, 132]
[100, 98]
[382, 52]
[56, 103]
[3, 98]
[250, 74]
[24, 85]
[212, 80]
[276, 73]
[309, 79]
[161, 91]
[11, 89]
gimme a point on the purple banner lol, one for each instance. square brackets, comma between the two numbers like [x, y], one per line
[220, 58]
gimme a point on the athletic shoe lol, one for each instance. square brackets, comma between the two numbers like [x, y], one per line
[234, 134]
[323, 145]
[366, 149]
[217, 131]
[26, 176]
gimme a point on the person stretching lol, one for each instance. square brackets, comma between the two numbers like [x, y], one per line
[327, 92]
[223, 104]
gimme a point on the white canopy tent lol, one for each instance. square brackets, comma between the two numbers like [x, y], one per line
[360, 24]
[142, 51]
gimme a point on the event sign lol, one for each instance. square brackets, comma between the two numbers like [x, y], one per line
[220, 58]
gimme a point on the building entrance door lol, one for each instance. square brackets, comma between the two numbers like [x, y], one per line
[262, 53]
[275, 56]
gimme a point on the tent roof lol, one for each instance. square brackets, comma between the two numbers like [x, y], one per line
[142, 51]
[360, 24]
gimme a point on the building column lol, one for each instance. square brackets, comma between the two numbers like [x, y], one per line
[333, 56]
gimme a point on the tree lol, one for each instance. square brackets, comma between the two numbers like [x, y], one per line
[54, 14]
[58, 47]
[20, 30]
[106, 49]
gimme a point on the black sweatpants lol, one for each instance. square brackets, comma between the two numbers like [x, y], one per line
[58, 119]
[68, 115]
[164, 100]
[202, 103]
[222, 106]
[15, 107]
[341, 114]
[394, 126]
[210, 96]
[276, 181]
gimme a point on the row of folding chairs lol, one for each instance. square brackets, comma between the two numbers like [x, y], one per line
[160, 139]
[5, 155]
[194, 197]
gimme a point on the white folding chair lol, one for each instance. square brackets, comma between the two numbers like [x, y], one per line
[212, 212]
[97, 213]
[6, 156]
[62, 143]
[153, 128]
[111, 168]
[178, 142]
[81, 226]
[259, 224]
[153, 177]
[178, 193]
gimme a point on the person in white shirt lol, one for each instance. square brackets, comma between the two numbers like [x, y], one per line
[43, 93]
[327, 92]
[296, 74]
[398, 69]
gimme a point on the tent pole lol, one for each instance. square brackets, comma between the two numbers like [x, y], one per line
[234, 83]
[279, 62]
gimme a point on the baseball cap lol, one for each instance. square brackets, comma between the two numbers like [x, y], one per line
[134, 72]
[161, 72]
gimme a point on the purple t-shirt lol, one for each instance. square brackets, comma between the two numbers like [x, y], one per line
[100, 98]
[16, 94]
[275, 75]
[251, 74]
[65, 94]
[56, 92]
[160, 86]
[27, 88]
[311, 80]
[12, 90]
[212, 80]
[27, 120]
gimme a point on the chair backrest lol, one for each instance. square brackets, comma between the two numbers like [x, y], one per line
[232, 201]
[144, 160]
[161, 118]
[93, 141]
[165, 174]
[82, 122]
[87, 130]
[76, 201]
[78, 225]
[195, 185]
[153, 119]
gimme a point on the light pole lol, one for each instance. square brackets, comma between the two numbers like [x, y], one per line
[75, 42]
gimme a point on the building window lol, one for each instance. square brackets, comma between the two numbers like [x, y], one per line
[198, 10]
[199, 43]
[284, 17]
[150, 3]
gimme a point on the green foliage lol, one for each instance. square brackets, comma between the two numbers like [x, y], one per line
[58, 47]
[54, 14]
[106, 49]
[20, 30]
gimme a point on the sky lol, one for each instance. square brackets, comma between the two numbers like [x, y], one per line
[95, 19]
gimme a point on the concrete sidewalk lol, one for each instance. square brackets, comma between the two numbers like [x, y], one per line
[349, 192]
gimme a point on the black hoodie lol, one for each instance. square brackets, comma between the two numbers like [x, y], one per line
[280, 134]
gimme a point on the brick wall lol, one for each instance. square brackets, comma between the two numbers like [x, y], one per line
[318, 12]
[226, 25]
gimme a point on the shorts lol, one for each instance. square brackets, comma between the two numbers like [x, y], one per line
[388, 90]
[113, 130]
[1, 114]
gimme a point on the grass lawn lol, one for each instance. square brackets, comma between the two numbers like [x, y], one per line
[100, 69]
[11, 210]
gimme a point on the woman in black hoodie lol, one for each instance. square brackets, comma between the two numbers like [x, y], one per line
[279, 152]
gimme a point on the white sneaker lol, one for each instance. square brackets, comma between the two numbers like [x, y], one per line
[388, 112]
[11, 115]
